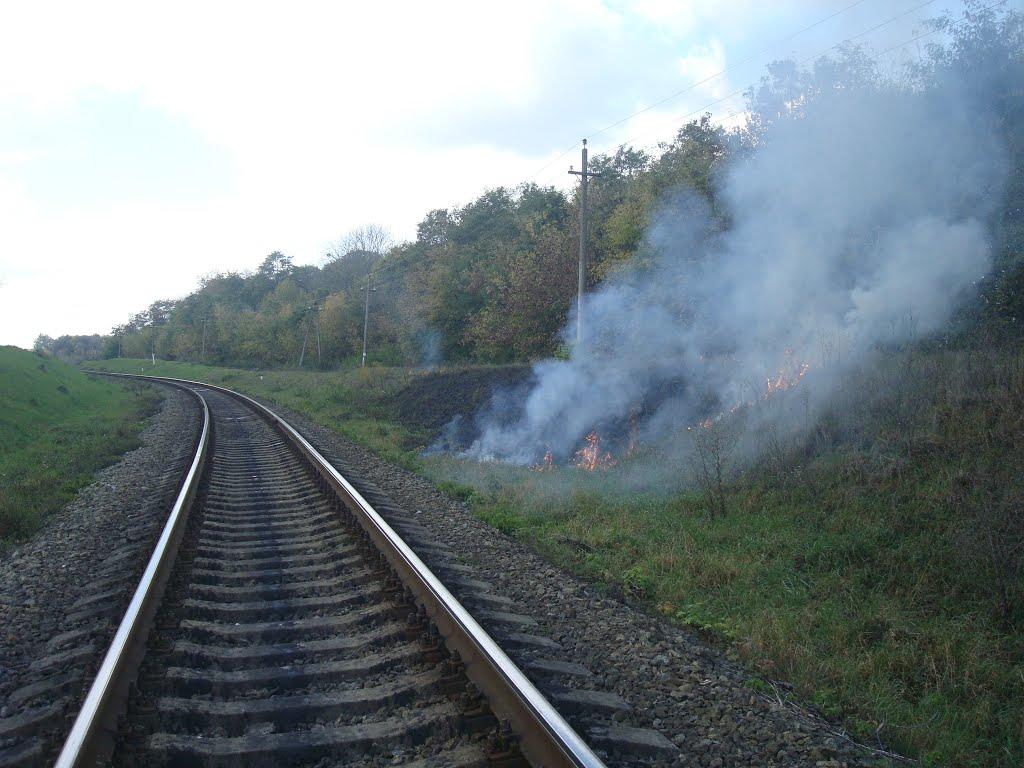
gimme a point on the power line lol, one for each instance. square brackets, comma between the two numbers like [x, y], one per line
[738, 91]
[533, 176]
[709, 78]
[552, 162]
[905, 43]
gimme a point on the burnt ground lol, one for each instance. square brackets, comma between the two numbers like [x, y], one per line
[433, 400]
[703, 704]
[449, 404]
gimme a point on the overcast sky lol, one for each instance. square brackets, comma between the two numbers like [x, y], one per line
[143, 145]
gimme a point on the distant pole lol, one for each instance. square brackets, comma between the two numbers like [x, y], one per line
[316, 319]
[584, 175]
[202, 353]
[302, 354]
[366, 317]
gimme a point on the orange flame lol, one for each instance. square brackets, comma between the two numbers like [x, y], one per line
[788, 376]
[590, 457]
[547, 465]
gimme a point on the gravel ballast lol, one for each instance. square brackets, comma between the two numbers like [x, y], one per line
[676, 684]
[63, 592]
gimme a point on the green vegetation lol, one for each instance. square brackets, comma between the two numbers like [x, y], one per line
[57, 428]
[874, 558]
[352, 402]
[492, 281]
[876, 565]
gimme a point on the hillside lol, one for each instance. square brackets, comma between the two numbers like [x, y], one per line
[874, 566]
[57, 427]
[492, 281]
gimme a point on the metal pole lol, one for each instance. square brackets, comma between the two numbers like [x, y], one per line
[583, 248]
[302, 354]
[366, 318]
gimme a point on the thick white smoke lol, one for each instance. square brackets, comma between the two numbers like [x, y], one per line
[861, 223]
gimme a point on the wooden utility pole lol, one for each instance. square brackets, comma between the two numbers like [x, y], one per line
[584, 175]
[305, 338]
[313, 319]
[366, 317]
[316, 319]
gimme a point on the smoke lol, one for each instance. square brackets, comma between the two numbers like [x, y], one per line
[428, 342]
[862, 223]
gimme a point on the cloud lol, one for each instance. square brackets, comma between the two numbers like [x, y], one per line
[109, 147]
[209, 134]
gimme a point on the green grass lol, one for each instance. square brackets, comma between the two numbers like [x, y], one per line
[57, 428]
[353, 402]
[856, 564]
[865, 610]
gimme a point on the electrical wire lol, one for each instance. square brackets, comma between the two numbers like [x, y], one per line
[533, 176]
[739, 91]
[916, 38]
[747, 60]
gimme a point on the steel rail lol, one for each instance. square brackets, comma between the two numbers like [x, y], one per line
[545, 738]
[91, 739]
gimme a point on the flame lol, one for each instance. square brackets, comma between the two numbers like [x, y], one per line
[788, 376]
[590, 458]
[547, 465]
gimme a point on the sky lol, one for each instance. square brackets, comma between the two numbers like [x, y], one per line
[144, 145]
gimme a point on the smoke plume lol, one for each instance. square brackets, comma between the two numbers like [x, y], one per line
[863, 222]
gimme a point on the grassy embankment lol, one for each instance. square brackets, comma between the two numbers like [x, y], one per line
[874, 564]
[57, 428]
[353, 402]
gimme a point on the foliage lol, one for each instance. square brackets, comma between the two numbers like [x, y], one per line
[57, 427]
[493, 281]
[875, 564]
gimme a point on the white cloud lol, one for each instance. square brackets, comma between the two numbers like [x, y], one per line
[311, 118]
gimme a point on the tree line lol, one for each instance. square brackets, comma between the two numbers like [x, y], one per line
[493, 281]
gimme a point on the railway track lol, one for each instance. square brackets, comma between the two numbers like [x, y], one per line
[282, 621]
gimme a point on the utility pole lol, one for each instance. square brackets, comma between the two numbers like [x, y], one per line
[305, 335]
[366, 316]
[584, 175]
[316, 319]
[302, 354]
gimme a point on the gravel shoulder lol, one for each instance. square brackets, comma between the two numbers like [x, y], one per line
[675, 683]
[62, 592]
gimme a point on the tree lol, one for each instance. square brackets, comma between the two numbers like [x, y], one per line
[371, 238]
[43, 344]
[527, 300]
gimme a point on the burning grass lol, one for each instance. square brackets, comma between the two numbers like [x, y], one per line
[873, 560]
[868, 562]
